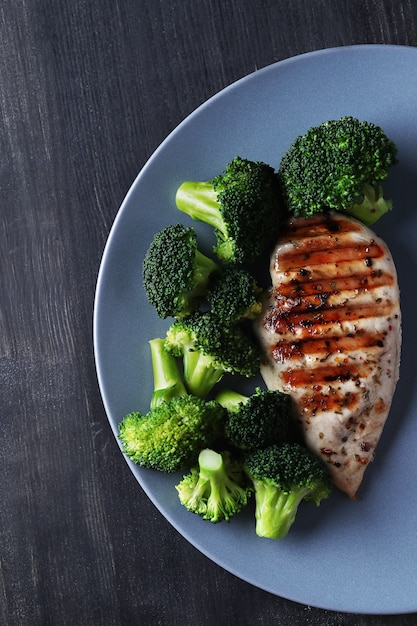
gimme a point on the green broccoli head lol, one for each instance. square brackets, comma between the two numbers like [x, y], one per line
[242, 204]
[338, 165]
[171, 436]
[284, 475]
[175, 272]
[234, 295]
[210, 349]
[217, 488]
[257, 421]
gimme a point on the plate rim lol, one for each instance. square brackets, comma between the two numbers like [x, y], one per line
[356, 48]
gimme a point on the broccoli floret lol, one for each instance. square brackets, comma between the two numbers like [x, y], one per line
[259, 420]
[216, 489]
[338, 165]
[209, 349]
[167, 381]
[178, 425]
[233, 295]
[284, 475]
[242, 204]
[170, 437]
[175, 272]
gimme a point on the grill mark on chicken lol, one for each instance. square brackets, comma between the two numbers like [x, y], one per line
[319, 225]
[331, 332]
[299, 287]
[323, 348]
[320, 375]
[343, 252]
[341, 269]
[286, 321]
[322, 401]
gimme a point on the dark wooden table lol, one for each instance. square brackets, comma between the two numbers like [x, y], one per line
[89, 89]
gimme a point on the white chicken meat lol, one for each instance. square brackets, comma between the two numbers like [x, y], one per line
[331, 333]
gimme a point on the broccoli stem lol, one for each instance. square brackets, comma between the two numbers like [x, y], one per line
[231, 399]
[210, 463]
[167, 380]
[373, 205]
[204, 266]
[275, 510]
[225, 495]
[199, 201]
[199, 374]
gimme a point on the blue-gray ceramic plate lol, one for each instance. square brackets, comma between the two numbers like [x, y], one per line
[347, 556]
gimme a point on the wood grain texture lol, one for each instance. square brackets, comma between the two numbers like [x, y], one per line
[88, 90]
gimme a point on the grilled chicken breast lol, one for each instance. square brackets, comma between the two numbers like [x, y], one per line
[331, 333]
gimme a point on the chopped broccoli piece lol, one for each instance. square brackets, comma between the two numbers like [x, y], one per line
[170, 437]
[259, 420]
[175, 272]
[234, 295]
[216, 489]
[284, 475]
[242, 204]
[177, 427]
[338, 165]
[209, 350]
